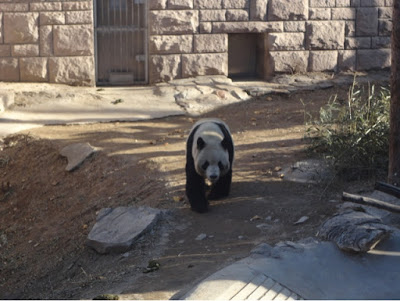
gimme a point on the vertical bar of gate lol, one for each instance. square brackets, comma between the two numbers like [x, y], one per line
[134, 33]
[132, 64]
[126, 36]
[108, 34]
[145, 41]
[138, 35]
[120, 38]
[96, 63]
[114, 33]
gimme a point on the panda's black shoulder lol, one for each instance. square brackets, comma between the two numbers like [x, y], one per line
[224, 130]
[189, 142]
[228, 141]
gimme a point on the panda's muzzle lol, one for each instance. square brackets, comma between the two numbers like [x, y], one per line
[213, 178]
[213, 174]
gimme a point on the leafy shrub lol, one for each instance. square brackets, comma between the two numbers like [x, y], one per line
[354, 134]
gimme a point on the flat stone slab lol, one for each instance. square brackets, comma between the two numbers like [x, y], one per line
[116, 229]
[311, 270]
[76, 154]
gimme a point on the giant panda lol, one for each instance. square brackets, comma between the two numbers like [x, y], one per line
[209, 156]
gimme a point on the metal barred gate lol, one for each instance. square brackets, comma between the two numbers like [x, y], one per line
[120, 42]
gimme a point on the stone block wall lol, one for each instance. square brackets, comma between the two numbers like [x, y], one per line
[47, 41]
[53, 40]
[190, 37]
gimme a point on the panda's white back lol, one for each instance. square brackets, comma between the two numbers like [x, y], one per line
[210, 133]
[212, 122]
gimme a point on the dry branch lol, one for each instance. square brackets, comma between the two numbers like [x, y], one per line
[370, 202]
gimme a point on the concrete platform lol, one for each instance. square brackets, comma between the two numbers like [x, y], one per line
[34, 105]
[309, 270]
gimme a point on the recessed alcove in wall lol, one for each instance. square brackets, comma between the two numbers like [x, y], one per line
[247, 56]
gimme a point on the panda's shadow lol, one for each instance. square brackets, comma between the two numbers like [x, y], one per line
[244, 191]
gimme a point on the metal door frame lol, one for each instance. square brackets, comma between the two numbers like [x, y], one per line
[145, 42]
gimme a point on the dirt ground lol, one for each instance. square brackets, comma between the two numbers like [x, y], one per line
[46, 212]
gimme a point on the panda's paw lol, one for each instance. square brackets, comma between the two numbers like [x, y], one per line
[200, 209]
[199, 206]
[219, 191]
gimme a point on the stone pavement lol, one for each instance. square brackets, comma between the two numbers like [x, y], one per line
[29, 105]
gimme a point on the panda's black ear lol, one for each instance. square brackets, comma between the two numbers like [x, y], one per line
[200, 143]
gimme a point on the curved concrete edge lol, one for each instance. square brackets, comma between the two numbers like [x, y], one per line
[240, 282]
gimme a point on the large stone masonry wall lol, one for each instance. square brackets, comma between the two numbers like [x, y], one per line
[53, 40]
[47, 41]
[190, 37]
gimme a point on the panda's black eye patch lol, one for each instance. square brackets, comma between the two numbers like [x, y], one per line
[205, 165]
[220, 165]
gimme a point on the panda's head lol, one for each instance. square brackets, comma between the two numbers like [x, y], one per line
[211, 156]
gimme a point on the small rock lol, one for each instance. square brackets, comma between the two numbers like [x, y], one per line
[240, 94]
[76, 154]
[3, 240]
[263, 226]
[258, 91]
[301, 220]
[240, 237]
[126, 255]
[6, 100]
[221, 94]
[152, 266]
[255, 217]
[201, 236]
[263, 249]
[117, 101]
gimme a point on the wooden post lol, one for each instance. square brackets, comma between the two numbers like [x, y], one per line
[394, 138]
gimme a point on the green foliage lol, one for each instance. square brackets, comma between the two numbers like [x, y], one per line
[353, 135]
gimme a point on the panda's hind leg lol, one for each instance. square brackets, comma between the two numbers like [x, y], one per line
[222, 188]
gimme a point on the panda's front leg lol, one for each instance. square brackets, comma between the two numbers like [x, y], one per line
[195, 190]
[222, 187]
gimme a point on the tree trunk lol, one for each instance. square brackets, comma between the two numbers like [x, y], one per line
[394, 142]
